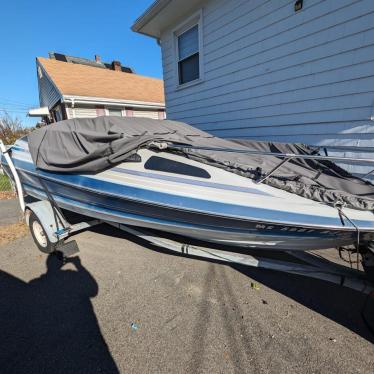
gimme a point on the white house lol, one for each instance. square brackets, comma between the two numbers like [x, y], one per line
[282, 70]
[74, 87]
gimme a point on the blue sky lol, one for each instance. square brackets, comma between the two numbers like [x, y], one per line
[31, 28]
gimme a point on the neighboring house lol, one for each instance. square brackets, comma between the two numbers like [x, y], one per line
[73, 87]
[291, 71]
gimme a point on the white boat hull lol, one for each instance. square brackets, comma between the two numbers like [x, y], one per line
[224, 208]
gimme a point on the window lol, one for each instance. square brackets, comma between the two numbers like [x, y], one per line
[40, 72]
[170, 166]
[57, 114]
[188, 55]
[115, 112]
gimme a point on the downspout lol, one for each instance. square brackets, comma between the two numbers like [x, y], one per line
[72, 101]
[64, 108]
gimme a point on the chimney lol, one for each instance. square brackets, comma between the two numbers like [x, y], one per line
[97, 58]
[116, 65]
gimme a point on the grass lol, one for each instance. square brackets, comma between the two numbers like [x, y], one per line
[5, 183]
[12, 232]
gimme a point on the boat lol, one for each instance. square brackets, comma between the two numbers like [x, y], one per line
[170, 177]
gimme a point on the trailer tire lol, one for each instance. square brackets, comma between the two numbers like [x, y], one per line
[39, 235]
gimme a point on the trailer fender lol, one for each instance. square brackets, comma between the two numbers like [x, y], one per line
[44, 211]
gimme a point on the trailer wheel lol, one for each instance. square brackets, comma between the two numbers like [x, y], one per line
[39, 235]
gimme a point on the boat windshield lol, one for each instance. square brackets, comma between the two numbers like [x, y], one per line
[170, 166]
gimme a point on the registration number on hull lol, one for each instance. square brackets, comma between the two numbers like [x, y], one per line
[289, 229]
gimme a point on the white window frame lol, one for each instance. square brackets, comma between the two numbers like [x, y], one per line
[40, 72]
[195, 19]
[123, 112]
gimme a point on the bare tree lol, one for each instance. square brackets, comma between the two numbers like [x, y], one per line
[11, 129]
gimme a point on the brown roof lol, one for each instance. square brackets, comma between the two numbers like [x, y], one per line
[82, 80]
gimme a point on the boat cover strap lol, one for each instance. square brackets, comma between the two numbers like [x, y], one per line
[90, 145]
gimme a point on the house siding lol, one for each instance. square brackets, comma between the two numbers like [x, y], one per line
[48, 93]
[87, 111]
[145, 113]
[273, 74]
[83, 112]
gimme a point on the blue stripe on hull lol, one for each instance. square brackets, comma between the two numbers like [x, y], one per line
[287, 240]
[139, 209]
[175, 202]
[209, 228]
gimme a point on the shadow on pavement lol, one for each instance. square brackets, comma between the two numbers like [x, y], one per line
[340, 304]
[49, 325]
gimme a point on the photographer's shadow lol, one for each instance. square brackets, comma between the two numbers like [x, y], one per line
[49, 325]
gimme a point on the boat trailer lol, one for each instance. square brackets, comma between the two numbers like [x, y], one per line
[50, 231]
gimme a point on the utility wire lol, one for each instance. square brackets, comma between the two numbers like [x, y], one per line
[10, 103]
[15, 107]
[12, 111]
[14, 101]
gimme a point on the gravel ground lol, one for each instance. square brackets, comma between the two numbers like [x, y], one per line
[188, 315]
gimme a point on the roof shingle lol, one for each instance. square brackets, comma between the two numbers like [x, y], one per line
[82, 80]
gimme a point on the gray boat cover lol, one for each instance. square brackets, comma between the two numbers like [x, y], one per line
[90, 145]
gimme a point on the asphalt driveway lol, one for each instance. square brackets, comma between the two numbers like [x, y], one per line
[122, 307]
[9, 212]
